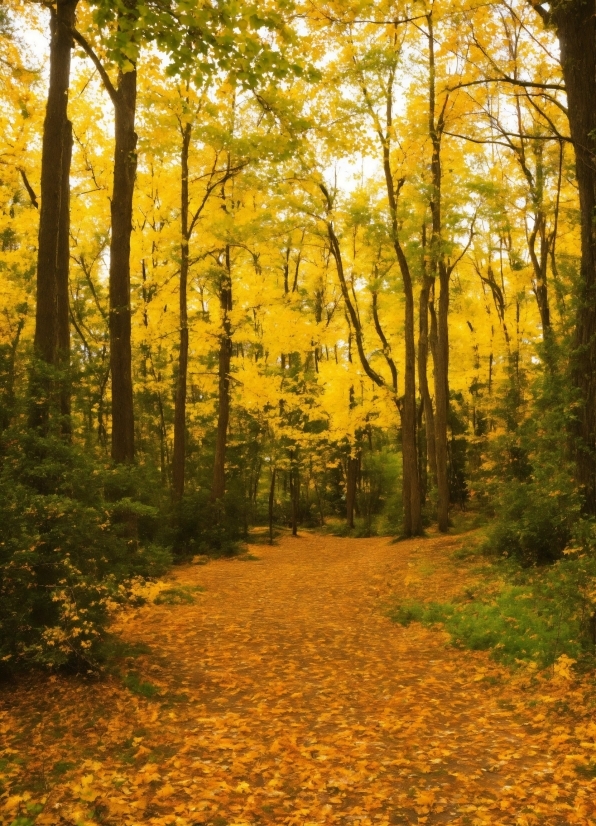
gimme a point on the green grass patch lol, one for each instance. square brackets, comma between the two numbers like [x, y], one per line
[62, 767]
[180, 595]
[530, 622]
[141, 687]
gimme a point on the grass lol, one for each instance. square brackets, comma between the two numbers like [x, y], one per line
[180, 595]
[519, 615]
[140, 687]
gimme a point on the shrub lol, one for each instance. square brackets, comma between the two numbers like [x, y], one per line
[537, 616]
[64, 554]
[201, 526]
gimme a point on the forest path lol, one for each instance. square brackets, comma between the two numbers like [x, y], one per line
[286, 696]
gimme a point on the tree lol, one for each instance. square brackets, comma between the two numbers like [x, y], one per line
[52, 258]
[575, 25]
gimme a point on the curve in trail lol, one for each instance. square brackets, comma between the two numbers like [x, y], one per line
[287, 696]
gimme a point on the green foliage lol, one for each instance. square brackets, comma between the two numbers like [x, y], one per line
[536, 616]
[528, 478]
[182, 595]
[65, 554]
[141, 687]
[205, 527]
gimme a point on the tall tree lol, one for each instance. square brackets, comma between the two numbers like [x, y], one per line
[55, 164]
[123, 96]
[575, 24]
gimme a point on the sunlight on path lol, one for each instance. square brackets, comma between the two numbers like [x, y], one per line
[286, 696]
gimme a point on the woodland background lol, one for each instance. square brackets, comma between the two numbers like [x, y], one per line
[303, 265]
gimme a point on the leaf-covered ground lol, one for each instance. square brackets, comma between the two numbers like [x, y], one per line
[283, 695]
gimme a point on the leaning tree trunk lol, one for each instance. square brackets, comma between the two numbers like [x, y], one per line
[575, 23]
[125, 165]
[179, 460]
[46, 317]
[62, 273]
[225, 357]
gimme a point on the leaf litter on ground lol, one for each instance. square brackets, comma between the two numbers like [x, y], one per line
[285, 695]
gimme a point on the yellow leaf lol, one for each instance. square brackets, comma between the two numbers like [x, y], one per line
[166, 791]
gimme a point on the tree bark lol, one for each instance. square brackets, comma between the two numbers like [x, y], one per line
[271, 504]
[225, 357]
[294, 495]
[124, 99]
[438, 267]
[125, 165]
[62, 285]
[423, 345]
[54, 132]
[179, 460]
[407, 408]
[575, 23]
[353, 465]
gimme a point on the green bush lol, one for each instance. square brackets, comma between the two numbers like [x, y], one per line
[201, 526]
[528, 477]
[541, 614]
[64, 554]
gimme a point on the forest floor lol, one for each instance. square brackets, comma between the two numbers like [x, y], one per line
[284, 695]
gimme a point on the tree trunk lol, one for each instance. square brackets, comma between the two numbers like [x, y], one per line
[225, 357]
[125, 165]
[62, 285]
[407, 408]
[429, 416]
[271, 504]
[442, 400]
[179, 460]
[353, 465]
[439, 267]
[46, 317]
[294, 496]
[575, 24]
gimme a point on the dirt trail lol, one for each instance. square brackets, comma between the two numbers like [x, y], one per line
[287, 696]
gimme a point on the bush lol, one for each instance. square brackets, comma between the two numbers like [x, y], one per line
[529, 478]
[201, 526]
[64, 554]
[539, 615]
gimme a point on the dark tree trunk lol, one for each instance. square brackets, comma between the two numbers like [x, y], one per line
[225, 357]
[179, 461]
[46, 318]
[442, 400]
[429, 416]
[125, 165]
[294, 495]
[407, 408]
[439, 267]
[353, 466]
[271, 504]
[62, 283]
[575, 23]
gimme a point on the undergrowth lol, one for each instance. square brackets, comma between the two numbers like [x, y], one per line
[520, 615]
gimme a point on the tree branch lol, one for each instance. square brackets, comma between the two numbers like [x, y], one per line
[86, 46]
